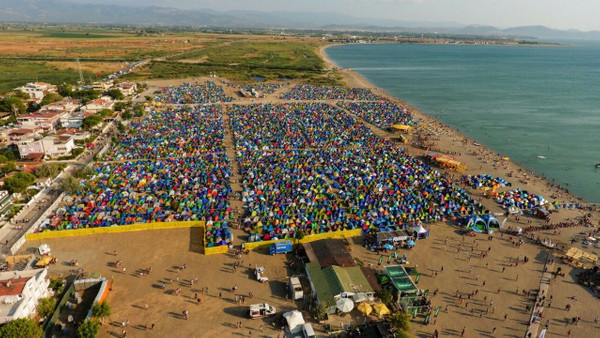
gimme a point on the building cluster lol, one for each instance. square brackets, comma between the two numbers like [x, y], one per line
[52, 131]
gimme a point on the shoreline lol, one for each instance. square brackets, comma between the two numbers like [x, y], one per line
[483, 155]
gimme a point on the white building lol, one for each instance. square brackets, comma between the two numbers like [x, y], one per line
[127, 88]
[47, 120]
[57, 146]
[102, 86]
[30, 145]
[94, 106]
[67, 105]
[37, 90]
[20, 292]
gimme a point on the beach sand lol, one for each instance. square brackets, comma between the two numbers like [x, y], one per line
[163, 250]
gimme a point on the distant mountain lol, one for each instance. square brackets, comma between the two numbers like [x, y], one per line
[57, 11]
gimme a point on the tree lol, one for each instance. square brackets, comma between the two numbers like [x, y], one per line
[400, 321]
[88, 329]
[51, 98]
[126, 115]
[320, 311]
[7, 168]
[91, 121]
[65, 90]
[49, 170]
[22, 328]
[19, 182]
[119, 106]
[71, 185]
[13, 105]
[21, 94]
[385, 295]
[84, 172]
[149, 98]
[106, 112]
[46, 306]
[116, 94]
[101, 310]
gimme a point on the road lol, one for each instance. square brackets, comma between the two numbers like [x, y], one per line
[13, 231]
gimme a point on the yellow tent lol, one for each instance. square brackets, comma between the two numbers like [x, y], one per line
[401, 127]
[365, 308]
[44, 261]
[381, 309]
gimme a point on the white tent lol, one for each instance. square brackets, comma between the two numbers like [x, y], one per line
[344, 304]
[419, 229]
[294, 320]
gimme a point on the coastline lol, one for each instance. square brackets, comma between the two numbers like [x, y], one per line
[478, 158]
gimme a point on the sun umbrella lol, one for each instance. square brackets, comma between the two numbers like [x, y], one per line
[381, 309]
[365, 308]
[344, 304]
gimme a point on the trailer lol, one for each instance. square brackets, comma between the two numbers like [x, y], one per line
[260, 310]
[280, 247]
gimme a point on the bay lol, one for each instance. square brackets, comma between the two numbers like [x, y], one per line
[522, 102]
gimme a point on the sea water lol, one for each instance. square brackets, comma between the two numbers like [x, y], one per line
[538, 105]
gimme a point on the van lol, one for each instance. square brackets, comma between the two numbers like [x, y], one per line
[308, 331]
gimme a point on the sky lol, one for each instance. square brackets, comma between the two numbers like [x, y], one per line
[558, 14]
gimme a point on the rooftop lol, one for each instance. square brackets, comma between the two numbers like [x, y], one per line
[13, 287]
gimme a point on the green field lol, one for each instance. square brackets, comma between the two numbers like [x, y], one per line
[16, 73]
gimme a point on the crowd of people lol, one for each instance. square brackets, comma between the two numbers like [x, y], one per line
[177, 132]
[382, 114]
[310, 92]
[484, 180]
[193, 93]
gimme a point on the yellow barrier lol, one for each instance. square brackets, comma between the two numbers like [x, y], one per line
[216, 250]
[307, 238]
[114, 229]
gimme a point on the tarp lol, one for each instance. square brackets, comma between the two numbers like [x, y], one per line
[294, 321]
[364, 308]
[578, 254]
[44, 261]
[381, 309]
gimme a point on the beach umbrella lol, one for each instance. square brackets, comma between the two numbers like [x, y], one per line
[364, 308]
[344, 304]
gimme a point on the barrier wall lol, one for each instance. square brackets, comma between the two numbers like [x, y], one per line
[307, 238]
[114, 229]
[221, 249]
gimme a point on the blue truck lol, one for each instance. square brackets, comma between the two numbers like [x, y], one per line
[280, 247]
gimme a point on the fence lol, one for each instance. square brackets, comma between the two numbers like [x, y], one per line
[307, 238]
[114, 229]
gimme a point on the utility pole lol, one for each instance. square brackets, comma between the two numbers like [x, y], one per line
[80, 72]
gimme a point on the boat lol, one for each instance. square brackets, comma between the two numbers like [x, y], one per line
[598, 165]
[541, 157]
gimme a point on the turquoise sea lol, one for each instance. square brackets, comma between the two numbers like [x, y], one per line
[522, 102]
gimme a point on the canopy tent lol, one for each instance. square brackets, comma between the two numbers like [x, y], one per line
[344, 304]
[482, 223]
[420, 232]
[364, 308]
[578, 254]
[515, 210]
[294, 320]
[381, 309]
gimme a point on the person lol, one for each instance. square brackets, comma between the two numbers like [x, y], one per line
[462, 334]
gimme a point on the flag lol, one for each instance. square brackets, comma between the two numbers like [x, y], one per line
[98, 74]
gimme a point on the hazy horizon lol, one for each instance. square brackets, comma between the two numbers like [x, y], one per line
[557, 14]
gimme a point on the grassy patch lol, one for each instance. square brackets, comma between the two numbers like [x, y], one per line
[17, 72]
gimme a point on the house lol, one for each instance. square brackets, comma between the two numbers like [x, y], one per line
[58, 145]
[74, 120]
[68, 106]
[30, 145]
[20, 292]
[37, 90]
[127, 88]
[94, 106]
[17, 134]
[77, 134]
[47, 120]
[102, 86]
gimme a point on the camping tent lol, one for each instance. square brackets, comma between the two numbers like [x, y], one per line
[482, 223]
[294, 321]
[344, 304]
